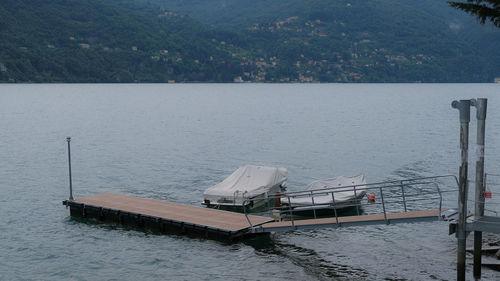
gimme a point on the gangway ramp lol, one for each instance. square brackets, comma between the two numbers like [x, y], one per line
[404, 217]
[399, 201]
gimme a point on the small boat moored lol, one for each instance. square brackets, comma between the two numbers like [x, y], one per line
[322, 196]
[247, 189]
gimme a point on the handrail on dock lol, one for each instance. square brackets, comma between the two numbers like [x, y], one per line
[396, 196]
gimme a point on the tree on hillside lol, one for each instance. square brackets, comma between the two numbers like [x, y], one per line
[482, 9]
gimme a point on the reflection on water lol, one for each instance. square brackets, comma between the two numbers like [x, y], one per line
[308, 259]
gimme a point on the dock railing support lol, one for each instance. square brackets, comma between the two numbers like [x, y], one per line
[463, 107]
[68, 139]
[246, 216]
[440, 198]
[480, 105]
[313, 205]
[383, 204]
[335, 209]
[403, 194]
[291, 211]
[355, 201]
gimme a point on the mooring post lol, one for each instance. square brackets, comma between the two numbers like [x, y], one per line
[68, 139]
[463, 107]
[480, 105]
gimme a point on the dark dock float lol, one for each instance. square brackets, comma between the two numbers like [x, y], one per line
[164, 216]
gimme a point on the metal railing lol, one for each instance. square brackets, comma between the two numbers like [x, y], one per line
[395, 196]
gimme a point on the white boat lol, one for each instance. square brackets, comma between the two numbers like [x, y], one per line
[347, 192]
[249, 185]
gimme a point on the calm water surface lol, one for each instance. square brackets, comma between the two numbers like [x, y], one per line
[171, 142]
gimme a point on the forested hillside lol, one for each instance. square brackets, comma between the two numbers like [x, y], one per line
[357, 40]
[105, 41]
[243, 40]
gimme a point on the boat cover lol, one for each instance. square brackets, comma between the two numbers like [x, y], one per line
[246, 182]
[343, 193]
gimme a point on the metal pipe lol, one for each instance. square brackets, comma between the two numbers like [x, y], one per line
[68, 139]
[463, 107]
[246, 216]
[291, 212]
[440, 197]
[335, 209]
[387, 184]
[313, 205]
[480, 105]
[355, 201]
[383, 204]
[266, 197]
[403, 193]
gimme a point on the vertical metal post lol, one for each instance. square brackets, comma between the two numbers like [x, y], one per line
[383, 204]
[480, 105]
[440, 197]
[313, 205]
[68, 139]
[266, 196]
[335, 208]
[291, 212]
[463, 107]
[356, 201]
[246, 215]
[403, 193]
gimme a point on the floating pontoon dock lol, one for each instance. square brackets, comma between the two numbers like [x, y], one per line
[171, 217]
[400, 201]
[164, 216]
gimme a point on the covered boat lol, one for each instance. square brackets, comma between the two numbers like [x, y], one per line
[249, 185]
[347, 192]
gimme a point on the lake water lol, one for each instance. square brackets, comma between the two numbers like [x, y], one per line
[171, 142]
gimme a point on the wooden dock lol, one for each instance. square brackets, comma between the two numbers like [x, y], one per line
[164, 216]
[168, 217]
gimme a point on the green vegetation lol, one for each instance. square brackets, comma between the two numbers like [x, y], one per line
[105, 41]
[355, 40]
[244, 40]
[483, 9]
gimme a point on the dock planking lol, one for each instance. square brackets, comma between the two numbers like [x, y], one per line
[162, 215]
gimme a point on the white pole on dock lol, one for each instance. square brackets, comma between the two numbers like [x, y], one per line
[68, 139]
[480, 105]
[463, 107]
